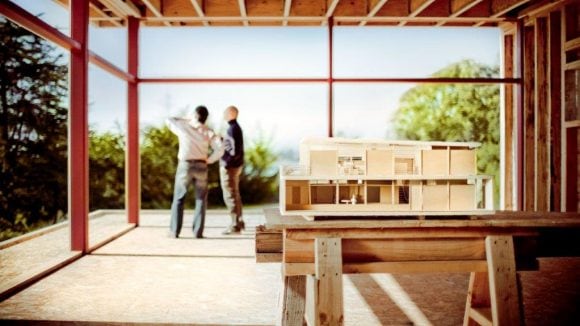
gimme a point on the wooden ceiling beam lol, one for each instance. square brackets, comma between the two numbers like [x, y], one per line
[199, 12]
[243, 13]
[416, 7]
[287, 6]
[499, 8]
[330, 7]
[378, 5]
[155, 9]
[458, 7]
[122, 8]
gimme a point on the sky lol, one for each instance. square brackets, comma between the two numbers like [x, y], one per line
[285, 112]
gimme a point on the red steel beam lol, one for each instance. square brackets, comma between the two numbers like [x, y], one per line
[132, 164]
[335, 80]
[78, 137]
[330, 76]
[107, 66]
[37, 26]
[231, 80]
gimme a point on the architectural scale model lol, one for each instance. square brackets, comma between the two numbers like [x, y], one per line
[377, 177]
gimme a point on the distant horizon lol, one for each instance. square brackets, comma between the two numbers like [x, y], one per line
[285, 111]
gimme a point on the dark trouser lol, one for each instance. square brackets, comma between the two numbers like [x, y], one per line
[230, 182]
[188, 171]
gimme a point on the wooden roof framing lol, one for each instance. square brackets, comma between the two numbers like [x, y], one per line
[305, 12]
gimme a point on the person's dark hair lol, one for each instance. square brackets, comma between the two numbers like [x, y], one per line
[202, 113]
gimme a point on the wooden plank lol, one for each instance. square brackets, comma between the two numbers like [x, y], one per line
[324, 299]
[384, 250]
[292, 301]
[481, 315]
[542, 122]
[270, 242]
[406, 233]
[503, 290]
[477, 296]
[529, 119]
[379, 162]
[265, 8]
[574, 65]
[572, 44]
[504, 219]
[555, 98]
[509, 122]
[572, 161]
[267, 257]
[455, 266]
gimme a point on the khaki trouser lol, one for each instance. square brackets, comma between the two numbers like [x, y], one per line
[230, 182]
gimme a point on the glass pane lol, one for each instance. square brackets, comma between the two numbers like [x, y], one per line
[273, 117]
[234, 52]
[109, 43]
[33, 152]
[410, 51]
[431, 112]
[52, 12]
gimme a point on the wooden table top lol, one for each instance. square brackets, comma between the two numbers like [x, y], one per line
[500, 219]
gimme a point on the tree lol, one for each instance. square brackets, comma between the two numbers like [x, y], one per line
[106, 170]
[456, 112]
[33, 129]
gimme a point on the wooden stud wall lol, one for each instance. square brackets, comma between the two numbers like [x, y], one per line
[529, 119]
[509, 121]
[551, 109]
[541, 114]
[555, 103]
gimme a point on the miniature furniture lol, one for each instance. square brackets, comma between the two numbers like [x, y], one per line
[376, 177]
[315, 254]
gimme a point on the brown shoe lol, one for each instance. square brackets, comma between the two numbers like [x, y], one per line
[231, 230]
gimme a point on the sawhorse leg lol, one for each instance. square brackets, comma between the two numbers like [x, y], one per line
[292, 301]
[493, 299]
[324, 304]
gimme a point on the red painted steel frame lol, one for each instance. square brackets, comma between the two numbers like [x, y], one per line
[330, 76]
[78, 137]
[132, 164]
[36, 25]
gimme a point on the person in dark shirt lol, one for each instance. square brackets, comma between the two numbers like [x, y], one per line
[231, 165]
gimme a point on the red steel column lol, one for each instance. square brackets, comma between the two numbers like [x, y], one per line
[330, 80]
[78, 130]
[132, 164]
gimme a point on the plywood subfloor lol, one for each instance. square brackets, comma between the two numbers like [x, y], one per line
[146, 277]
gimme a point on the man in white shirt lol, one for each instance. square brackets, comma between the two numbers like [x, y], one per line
[198, 147]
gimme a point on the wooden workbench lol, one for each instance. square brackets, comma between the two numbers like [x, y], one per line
[315, 254]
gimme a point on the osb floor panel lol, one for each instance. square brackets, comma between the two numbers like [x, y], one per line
[33, 254]
[146, 277]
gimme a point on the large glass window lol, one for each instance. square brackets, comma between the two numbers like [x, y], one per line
[234, 52]
[415, 52]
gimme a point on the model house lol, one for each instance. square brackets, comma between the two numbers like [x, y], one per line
[377, 177]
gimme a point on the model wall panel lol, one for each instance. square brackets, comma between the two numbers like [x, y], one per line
[435, 198]
[379, 162]
[462, 197]
[462, 162]
[435, 162]
[323, 162]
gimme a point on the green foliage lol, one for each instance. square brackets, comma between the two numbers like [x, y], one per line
[158, 163]
[258, 182]
[33, 131]
[106, 170]
[456, 112]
